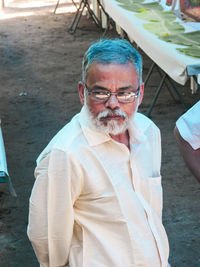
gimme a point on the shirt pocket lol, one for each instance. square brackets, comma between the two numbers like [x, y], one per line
[156, 194]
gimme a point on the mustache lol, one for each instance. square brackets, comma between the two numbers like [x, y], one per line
[107, 113]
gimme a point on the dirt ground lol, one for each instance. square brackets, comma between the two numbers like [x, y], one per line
[40, 65]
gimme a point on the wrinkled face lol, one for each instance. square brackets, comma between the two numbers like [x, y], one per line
[114, 78]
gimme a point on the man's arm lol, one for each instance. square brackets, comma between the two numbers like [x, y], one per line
[51, 214]
[191, 156]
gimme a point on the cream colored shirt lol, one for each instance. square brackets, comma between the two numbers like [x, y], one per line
[97, 204]
[189, 126]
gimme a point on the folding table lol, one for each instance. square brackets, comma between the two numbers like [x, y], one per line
[4, 176]
[175, 65]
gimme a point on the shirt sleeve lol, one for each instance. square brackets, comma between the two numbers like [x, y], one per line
[51, 217]
[155, 184]
[189, 126]
[156, 149]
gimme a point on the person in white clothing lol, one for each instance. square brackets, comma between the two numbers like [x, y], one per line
[97, 197]
[187, 134]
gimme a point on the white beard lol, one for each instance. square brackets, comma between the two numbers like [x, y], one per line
[112, 126]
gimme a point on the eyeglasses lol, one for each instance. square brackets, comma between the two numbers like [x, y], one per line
[101, 95]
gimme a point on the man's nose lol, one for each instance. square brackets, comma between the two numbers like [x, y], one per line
[112, 102]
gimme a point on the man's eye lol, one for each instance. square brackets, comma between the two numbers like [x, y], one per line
[124, 93]
[100, 93]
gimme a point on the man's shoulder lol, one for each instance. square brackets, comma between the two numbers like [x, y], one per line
[190, 119]
[193, 113]
[144, 123]
[65, 138]
[68, 133]
[189, 126]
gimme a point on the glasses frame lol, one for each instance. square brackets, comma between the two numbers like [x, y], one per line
[110, 94]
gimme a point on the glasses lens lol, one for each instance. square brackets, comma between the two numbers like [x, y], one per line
[126, 96]
[122, 96]
[100, 95]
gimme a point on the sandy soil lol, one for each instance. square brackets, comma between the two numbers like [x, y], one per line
[40, 65]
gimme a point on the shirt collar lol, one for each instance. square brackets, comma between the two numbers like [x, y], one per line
[137, 129]
[94, 137]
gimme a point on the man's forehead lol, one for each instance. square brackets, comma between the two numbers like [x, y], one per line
[112, 72]
[110, 67]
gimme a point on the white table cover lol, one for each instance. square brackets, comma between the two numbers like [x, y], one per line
[3, 163]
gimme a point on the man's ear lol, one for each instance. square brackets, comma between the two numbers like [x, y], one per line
[141, 93]
[81, 88]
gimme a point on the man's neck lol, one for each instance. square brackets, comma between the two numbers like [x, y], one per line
[122, 138]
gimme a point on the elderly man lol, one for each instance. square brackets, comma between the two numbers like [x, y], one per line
[97, 198]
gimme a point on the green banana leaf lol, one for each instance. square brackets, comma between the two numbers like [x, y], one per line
[163, 24]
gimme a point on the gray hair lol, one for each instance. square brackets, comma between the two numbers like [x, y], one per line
[112, 51]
